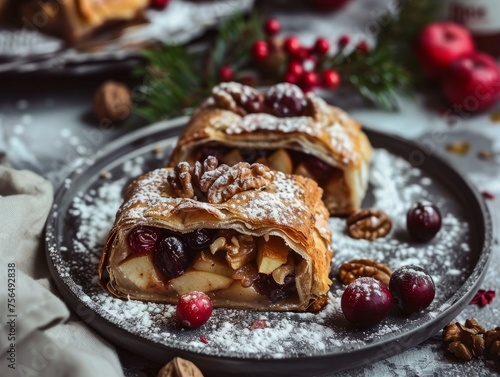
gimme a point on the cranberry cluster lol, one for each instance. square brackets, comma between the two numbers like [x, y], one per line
[171, 251]
[267, 286]
[367, 301]
[304, 64]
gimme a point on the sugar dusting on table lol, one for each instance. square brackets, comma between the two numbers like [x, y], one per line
[394, 186]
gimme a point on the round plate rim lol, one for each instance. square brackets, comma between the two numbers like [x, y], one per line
[458, 301]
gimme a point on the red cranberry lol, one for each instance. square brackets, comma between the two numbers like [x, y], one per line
[267, 286]
[170, 257]
[292, 46]
[309, 80]
[366, 302]
[286, 100]
[304, 53]
[320, 169]
[260, 50]
[143, 239]
[412, 288]
[295, 68]
[362, 47]
[272, 26]
[158, 4]
[423, 221]
[331, 79]
[321, 46]
[211, 150]
[344, 40]
[225, 73]
[291, 78]
[194, 309]
[199, 239]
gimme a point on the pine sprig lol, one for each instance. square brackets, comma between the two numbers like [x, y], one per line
[171, 83]
[390, 69]
[176, 79]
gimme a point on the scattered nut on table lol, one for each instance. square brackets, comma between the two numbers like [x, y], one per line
[465, 341]
[178, 367]
[112, 101]
[492, 344]
[357, 268]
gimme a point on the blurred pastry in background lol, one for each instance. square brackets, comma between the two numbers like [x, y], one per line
[76, 21]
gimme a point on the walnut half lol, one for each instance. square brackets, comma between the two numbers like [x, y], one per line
[357, 268]
[240, 248]
[465, 341]
[217, 183]
[178, 367]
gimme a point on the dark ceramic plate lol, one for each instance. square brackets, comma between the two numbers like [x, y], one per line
[291, 344]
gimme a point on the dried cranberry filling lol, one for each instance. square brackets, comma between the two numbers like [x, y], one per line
[218, 151]
[320, 170]
[267, 286]
[170, 257]
[143, 239]
[172, 251]
[200, 239]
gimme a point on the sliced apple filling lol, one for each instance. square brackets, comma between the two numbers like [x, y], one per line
[282, 159]
[223, 263]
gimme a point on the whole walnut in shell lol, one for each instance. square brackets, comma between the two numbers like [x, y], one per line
[112, 101]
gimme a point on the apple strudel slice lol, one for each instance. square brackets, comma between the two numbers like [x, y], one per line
[249, 237]
[288, 131]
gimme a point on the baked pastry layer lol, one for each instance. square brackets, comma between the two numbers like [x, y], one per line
[77, 20]
[322, 142]
[267, 242]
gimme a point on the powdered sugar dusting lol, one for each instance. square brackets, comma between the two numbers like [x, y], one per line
[267, 122]
[394, 185]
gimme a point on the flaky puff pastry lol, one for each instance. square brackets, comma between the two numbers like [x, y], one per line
[251, 201]
[77, 20]
[240, 118]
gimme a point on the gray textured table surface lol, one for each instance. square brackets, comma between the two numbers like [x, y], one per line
[46, 125]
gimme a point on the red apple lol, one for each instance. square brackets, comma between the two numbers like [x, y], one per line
[472, 83]
[440, 43]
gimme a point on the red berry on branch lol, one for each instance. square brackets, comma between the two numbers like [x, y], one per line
[158, 4]
[321, 46]
[344, 40]
[304, 53]
[295, 68]
[260, 50]
[225, 73]
[362, 47]
[291, 78]
[309, 80]
[272, 27]
[331, 79]
[292, 46]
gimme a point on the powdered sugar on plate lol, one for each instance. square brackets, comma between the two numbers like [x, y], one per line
[394, 186]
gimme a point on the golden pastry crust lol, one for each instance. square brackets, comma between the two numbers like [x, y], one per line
[76, 21]
[272, 205]
[324, 131]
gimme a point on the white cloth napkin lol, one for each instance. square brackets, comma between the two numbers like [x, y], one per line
[38, 334]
